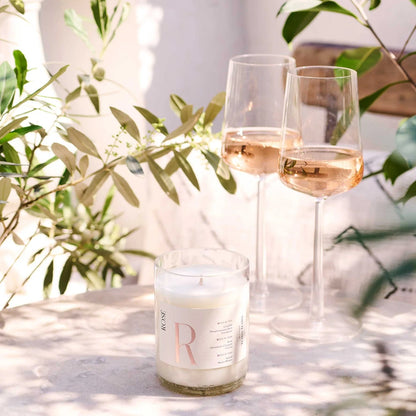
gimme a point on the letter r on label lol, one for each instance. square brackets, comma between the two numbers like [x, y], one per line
[185, 344]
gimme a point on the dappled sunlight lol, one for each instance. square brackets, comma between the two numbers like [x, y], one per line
[146, 339]
[97, 351]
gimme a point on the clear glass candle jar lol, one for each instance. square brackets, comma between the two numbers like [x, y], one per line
[201, 320]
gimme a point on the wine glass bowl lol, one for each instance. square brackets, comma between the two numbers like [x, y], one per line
[321, 107]
[322, 171]
[253, 112]
[252, 135]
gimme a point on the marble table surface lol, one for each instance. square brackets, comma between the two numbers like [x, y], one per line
[93, 354]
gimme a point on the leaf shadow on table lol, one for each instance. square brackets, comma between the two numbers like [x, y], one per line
[94, 356]
[372, 371]
[283, 376]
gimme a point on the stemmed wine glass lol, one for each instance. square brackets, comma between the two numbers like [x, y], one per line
[321, 108]
[251, 143]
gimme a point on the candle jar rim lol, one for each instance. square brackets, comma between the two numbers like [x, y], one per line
[241, 266]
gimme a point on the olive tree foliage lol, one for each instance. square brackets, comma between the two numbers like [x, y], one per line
[63, 204]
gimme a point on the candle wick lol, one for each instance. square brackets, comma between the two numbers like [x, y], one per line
[201, 281]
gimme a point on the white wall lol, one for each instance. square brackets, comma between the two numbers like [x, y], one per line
[196, 40]
[183, 47]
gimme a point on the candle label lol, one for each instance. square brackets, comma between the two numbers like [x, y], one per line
[202, 338]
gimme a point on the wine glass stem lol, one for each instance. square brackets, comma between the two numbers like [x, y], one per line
[261, 282]
[317, 289]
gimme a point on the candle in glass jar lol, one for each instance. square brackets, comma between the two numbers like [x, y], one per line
[201, 313]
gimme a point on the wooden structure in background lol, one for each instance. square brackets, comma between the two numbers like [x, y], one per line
[398, 100]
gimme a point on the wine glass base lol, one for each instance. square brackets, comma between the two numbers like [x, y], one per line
[279, 298]
[297, 324]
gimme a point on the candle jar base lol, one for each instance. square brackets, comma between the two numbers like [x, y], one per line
[203, 390]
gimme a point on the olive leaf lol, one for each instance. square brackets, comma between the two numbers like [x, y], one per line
[45, 212]
[213, 108]
[141, 253]
[187, 112]
[17, 240]
[134, 165]
[65, 177]
[186, 127]
[19, 132]
[47, 281]
[39, 166]
[99, 11]
[8, 85]
[10, 127]
[173, 166]
[94, 278]
[73, 95]
[19, 5]
[124, 188]
[152, 119]
[93, 96]
[67, 157]
[163, 179]
[80, 190]
[65, 275]
[154, 153]
[176, 104]
[374, 4]
[221, 170]
[96, 183]
[12, 156]
[83, 165]
[5, 189]
[186, 168]
[107, 202]
[82, 142]
[20, 70]
[126, 123]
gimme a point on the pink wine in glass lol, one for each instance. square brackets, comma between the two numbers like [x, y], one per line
[322, 171]
[254, 150]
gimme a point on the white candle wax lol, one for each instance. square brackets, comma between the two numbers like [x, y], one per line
[201, 325]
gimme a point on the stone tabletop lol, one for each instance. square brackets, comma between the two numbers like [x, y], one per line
[93, 354]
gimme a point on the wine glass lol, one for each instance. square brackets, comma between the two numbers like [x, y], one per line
[251, 143]
[321, 108]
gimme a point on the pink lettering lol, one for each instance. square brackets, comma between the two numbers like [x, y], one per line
[185, 344]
